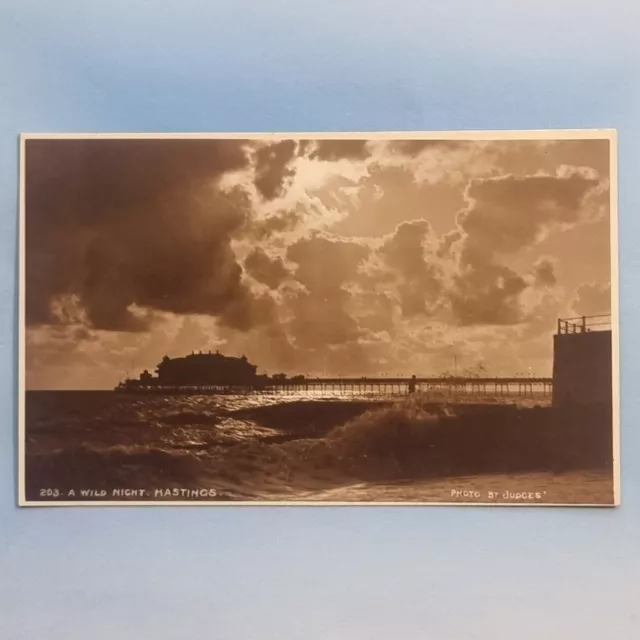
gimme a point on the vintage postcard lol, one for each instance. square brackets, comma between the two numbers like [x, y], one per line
[378, 318]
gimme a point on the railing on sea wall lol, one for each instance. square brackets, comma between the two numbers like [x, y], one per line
[584, 324]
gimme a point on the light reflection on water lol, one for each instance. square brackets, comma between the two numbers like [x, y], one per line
[264, 447]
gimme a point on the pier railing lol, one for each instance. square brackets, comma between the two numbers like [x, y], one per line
[449, 385]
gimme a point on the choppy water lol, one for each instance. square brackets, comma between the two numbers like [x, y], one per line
[263, 448]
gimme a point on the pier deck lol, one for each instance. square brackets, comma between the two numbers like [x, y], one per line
[459, 386]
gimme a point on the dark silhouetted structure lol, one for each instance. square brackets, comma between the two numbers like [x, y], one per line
[197, 369]
[582, 364]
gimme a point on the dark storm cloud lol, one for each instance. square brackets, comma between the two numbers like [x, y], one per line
[376, 312]
[526, 157]
[322, 321]
[544, 272]
[105, 290]
[321, 312]
[324, 263]
[505, 215]
[131, 222]
[119, 231]
[592, 298]
[419, 277]
[416, 147]
[273, 168]
[405, 249]
[265, 269]
[447, 243]
[509, 213]
[333, 150]
[247, 310]
[488, 294]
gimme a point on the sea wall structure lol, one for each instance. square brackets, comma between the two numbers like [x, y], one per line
[582, 362]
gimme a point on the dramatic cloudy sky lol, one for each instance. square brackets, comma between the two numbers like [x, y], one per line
[320, 257]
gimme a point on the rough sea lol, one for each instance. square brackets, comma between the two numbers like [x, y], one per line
[108, 446]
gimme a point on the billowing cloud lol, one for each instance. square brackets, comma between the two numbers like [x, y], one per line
[506, 215]
[274, 224]
[319, 257]
[390, 195]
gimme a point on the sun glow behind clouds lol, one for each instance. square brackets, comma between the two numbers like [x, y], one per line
[359, 255]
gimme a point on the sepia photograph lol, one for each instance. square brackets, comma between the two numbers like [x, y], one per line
[357, 319]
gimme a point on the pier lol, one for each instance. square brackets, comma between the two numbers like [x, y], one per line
[454, 386]
[581, 375]
[514, 387]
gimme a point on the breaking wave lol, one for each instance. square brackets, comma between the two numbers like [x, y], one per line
[291, 449]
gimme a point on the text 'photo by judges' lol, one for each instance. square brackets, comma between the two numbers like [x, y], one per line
[380, 318]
